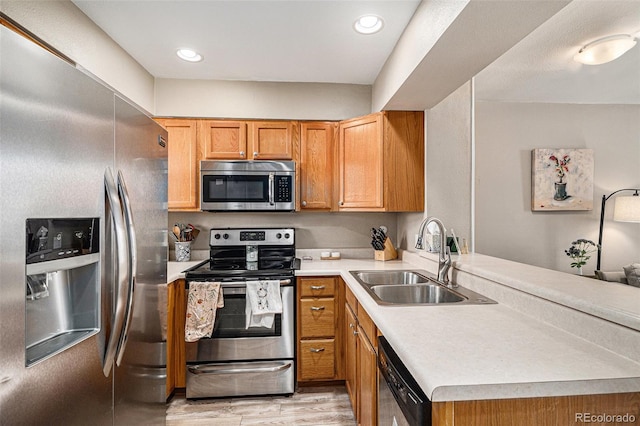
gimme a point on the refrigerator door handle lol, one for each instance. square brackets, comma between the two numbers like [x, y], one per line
[132, 263]
[117, 324]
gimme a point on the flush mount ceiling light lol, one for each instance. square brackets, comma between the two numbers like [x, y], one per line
[368, 24]
[605, 49]
[189, 55]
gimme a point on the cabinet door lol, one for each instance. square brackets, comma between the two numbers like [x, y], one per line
[316, 165]
[180, 315]
[351, 354]
[368, 381]
[223, 139]
[171, 339]
[182, 164]
[272, 140]
[360, 164]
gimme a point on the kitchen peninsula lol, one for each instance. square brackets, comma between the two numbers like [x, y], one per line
[551, 338]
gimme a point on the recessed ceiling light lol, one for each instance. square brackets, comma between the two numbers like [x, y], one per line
[605, 49]
[368, 24]
[189, 55]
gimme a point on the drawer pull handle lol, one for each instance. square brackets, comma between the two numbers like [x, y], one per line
[317, 287]
[314, 350]
[317, 308]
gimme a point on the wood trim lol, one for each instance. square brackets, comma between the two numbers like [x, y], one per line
[179, 324]
[544, 411]
[19, 29]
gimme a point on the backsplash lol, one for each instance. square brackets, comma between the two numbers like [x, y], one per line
[313, 230]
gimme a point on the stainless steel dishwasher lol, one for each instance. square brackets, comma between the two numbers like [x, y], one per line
[401, 402]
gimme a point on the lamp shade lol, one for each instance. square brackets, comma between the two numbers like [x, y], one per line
[605, 49]
[627, 209]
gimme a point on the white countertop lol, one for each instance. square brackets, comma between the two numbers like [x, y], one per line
[469, 352]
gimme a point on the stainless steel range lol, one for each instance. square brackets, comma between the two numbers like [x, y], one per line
[237, 360]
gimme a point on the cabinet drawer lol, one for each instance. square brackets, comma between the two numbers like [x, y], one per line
[317, 359]
[317, 287]
[317, 317]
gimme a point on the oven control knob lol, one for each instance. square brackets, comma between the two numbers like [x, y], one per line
[225, 236]
[217, 236]
[278, 235]
[287, 236]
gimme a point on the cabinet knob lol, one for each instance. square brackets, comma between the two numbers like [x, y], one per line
[255, 154]
[341, 203]
[317, 308]
[355, 333]
[304, 204]
[316, 350]
[351, 325]
[242, 154]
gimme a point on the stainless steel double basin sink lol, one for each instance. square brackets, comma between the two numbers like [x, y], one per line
[414, 287]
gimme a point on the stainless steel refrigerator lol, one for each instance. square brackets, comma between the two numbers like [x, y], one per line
[82, 336]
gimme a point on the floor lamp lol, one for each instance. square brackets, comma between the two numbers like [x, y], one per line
[625, 209]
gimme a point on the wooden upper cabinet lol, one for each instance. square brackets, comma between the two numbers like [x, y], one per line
[272, 140]
[360, 163]
[316, 165]
[224, 140]
[182, 163]
[381, 162]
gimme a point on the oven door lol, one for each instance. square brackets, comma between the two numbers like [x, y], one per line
[231, 341]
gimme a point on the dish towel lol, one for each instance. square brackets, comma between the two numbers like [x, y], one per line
[203, 300]
[263, 303]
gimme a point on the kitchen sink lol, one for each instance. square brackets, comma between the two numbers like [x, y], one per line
[390, 277]
[411, 293]
[414, 287]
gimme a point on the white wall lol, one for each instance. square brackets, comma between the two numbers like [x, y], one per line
[505, 225]
[249, 99]
[62, 25]
[447, 168]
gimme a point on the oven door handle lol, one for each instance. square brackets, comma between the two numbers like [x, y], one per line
[217, 369]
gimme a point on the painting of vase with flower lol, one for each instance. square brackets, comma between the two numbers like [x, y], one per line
[561, 179]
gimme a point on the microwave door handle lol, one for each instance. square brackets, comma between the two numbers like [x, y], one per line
[272, 188]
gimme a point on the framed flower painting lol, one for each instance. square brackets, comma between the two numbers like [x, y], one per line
[561, 179]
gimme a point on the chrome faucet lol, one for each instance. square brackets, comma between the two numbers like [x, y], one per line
[444, 260]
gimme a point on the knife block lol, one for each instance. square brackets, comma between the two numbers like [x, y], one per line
[389, 252]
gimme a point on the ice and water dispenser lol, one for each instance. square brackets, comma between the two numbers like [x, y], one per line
[62, 286]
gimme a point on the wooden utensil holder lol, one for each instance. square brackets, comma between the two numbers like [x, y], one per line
[389, 252]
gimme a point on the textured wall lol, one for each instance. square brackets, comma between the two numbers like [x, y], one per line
[66, 28]
[505, 225]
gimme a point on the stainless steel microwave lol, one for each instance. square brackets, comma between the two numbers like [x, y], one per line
[247, 185]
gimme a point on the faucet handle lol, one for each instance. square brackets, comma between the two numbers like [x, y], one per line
[419, 245]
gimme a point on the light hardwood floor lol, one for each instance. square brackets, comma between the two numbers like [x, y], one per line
[323, 405]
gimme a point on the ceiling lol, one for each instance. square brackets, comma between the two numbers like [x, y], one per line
[264, 40]
[314, 41]
[540, 68]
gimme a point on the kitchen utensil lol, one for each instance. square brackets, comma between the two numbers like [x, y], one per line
[176, 231]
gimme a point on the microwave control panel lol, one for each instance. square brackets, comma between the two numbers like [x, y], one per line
[284, 188]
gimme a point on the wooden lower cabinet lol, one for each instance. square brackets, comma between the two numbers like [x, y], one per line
[319, 345]
[176, 356]
[361, 361]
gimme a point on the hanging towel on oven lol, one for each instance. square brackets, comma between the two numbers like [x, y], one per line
[202, 301]
[263, 303]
